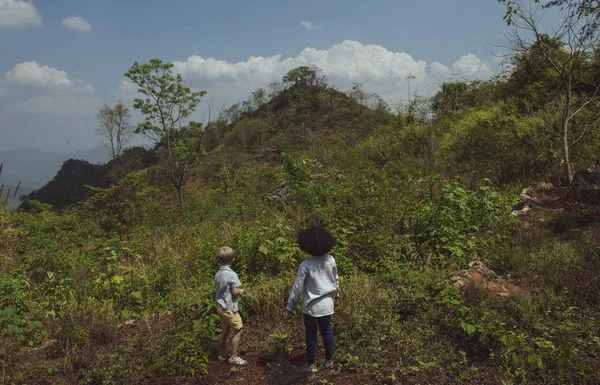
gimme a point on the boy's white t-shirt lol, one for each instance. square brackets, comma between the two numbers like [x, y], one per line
[317, 280]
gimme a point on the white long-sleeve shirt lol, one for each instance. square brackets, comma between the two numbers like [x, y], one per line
[317, 280]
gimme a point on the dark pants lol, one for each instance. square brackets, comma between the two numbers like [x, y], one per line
[325, 327]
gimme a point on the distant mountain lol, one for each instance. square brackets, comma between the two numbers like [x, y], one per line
[35, 167]
[71, 183]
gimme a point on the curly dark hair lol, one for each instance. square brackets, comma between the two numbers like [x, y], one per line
[315, 240]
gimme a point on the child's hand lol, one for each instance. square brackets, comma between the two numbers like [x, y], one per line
[287, 315]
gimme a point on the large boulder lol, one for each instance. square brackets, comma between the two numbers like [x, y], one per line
[478, 274]
[587, 179]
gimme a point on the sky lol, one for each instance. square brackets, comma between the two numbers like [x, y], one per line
[61, 60]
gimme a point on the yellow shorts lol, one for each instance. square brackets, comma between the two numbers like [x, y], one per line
[231, 320]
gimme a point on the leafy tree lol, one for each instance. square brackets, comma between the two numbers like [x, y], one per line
[372, 101]
[452, 97]
[167, 103]
[455, 96]
[304, 76]
[567, 55]
[115, 127]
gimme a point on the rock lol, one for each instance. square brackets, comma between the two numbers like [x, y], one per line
[480, 275]
[526, 204]
[521, 208]
[129, 322]
[280, 196]
[525, 195]
[543, 186]
[587, 179]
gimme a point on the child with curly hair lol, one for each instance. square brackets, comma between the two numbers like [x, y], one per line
[317, 281]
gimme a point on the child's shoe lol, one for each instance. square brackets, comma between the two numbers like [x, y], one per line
[328, 364]
[222, 360]
[238, 361]
[312, 368]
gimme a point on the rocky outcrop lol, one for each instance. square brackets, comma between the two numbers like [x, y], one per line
[480, 275]
[586, 180]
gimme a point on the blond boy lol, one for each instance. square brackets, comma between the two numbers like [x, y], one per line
[228, 288]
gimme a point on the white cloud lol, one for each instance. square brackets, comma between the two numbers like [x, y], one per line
[470, 67]
[380, 70]
[307, 24]
[18, 14]
[32, 74]
[40, 89]
[439, 70]
[77, 23]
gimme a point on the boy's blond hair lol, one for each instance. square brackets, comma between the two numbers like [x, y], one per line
[225, 256]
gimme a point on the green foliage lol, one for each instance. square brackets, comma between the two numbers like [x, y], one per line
[167, 100]
[184, 355]
[449, 230]
[485, 140]
[18, 326]
[124, 204]
[305, 77]
[122, 284]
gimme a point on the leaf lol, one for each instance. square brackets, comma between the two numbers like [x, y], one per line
[470, 329]
[118, 279]
[263, 250]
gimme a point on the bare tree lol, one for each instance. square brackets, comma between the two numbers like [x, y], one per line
[115, 128]
[566, 50]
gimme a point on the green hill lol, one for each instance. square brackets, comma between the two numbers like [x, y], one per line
[114, 283]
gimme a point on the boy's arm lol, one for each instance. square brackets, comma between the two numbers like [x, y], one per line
[236, 287]
[296, 289]
[238, 291]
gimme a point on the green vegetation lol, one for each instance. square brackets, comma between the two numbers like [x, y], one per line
[168, 102]
[118, 288]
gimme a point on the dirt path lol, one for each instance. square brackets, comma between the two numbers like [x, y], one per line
[263, 371]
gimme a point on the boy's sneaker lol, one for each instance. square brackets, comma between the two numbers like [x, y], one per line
[312, 368]
[238, 361]
[222, 359]
[328, 364]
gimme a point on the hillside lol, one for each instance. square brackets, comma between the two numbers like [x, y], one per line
[439, 283]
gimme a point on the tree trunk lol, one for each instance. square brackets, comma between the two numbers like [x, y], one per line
[565, 140]
[180, 192]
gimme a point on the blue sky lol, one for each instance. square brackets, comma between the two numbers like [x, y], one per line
[53, 78]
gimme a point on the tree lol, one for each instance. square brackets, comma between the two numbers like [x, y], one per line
[568, 54]
[589, 9]
[167, 103]
[115, 127]
[302, 77]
